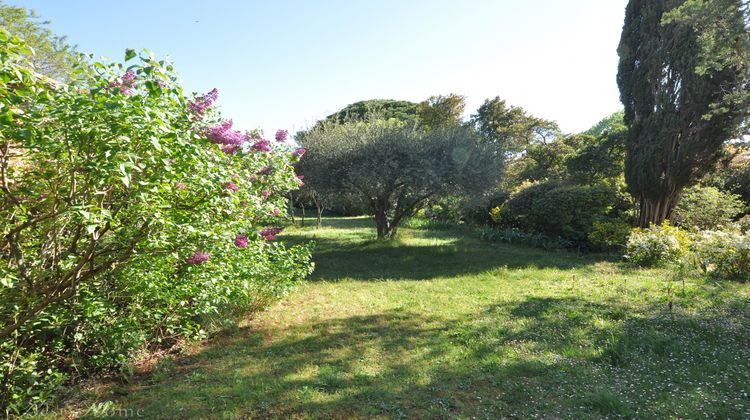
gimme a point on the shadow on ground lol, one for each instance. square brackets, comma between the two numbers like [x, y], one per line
[562, 357]
[420, 254]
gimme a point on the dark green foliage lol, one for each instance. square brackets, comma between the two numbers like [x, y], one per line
[568, 211]
[584, 158]
[736, 179]
[599, 158]
[510, 235]
[609, 233]
[385, 108]
[725, 45]
[669, 93]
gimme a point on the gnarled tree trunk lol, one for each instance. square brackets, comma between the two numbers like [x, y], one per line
[656, 211]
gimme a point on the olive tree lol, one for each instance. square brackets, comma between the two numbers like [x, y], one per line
[396, 169]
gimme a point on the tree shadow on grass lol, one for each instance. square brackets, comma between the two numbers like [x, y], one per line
[533, 356]
[443, 254]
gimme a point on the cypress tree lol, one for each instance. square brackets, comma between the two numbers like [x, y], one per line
[669, 95]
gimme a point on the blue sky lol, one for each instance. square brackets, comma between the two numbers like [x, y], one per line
[285, 64]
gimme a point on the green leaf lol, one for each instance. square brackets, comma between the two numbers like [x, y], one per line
[156, 143]
[129, 53]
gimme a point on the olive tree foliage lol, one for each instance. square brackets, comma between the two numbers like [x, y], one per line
[683, 96]
[53, 56]
[396, 169]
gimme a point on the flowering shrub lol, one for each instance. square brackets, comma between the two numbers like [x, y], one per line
[122, 202]
[724, 254]
[656, 245]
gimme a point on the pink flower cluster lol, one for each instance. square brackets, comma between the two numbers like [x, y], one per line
[269, 234]
[202, 103]
[240, 241]
[275, 212]
[230, 149]
[222, 133]
[231, 186]
[199, 257]
[281, 135]
[262, 145]
[298, 153]
[126, 83]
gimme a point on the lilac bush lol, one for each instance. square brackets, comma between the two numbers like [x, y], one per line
[121, 214]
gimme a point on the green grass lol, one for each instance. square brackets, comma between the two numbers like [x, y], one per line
[440, 324]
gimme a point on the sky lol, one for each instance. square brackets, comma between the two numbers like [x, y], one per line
[285, 64]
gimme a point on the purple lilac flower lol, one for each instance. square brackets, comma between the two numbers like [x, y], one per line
[275, 212]
[127, 83]
[269, 234]
[240, 241]
[265, 193]
[128, 78]
[281, 135]
[199, 257]
[222, 133]
[265, 171]
[298, 153]
[230, 149]
[262, 145]
[202, 103]
[300, 177]
[231, 186]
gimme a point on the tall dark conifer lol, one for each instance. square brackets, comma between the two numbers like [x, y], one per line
[673, 135]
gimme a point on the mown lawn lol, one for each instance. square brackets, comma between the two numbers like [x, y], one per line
[440, 324]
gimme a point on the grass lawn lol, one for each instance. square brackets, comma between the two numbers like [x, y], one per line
[440, 324]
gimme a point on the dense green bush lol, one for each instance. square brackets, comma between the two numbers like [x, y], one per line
[517, 236]
[555, 209]
[724, 254]
[702, 208]
[609, 233]
[656, 245]
[132, 217]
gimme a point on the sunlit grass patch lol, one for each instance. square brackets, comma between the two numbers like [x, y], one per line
[462, 328]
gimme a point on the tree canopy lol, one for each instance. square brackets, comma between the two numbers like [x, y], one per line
[386, 108]
[511, 127]
[396, 169]
[439, 111]
[678, 105]
[53, 56]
